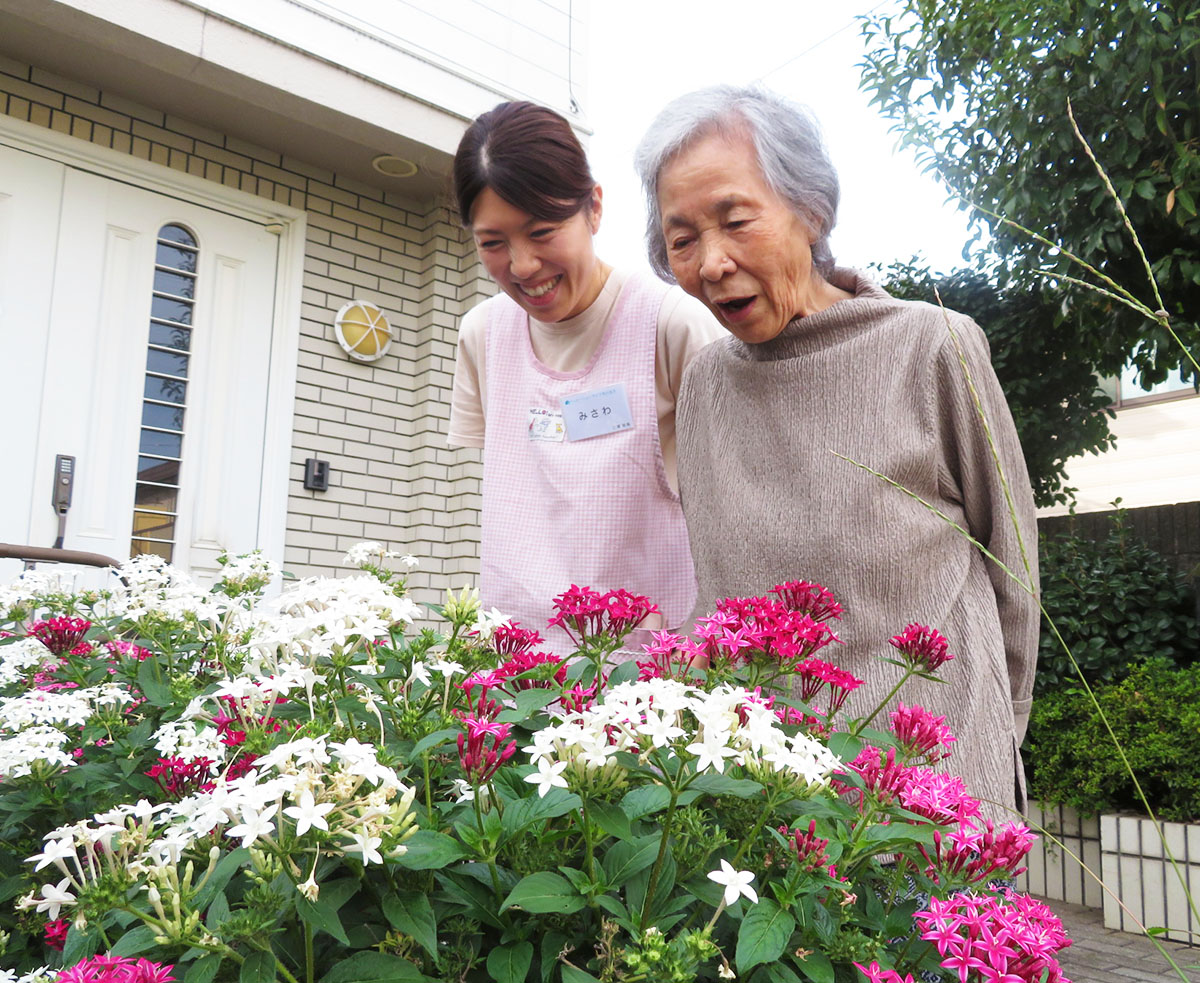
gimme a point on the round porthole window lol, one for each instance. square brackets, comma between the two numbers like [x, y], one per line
[363, 331]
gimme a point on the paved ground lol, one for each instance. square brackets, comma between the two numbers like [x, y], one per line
[1100, 955]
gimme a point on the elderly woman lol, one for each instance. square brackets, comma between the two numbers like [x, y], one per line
[822, 365]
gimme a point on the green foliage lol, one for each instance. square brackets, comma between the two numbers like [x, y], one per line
[1116, 603]
[1155, 716]
[1053, 392]
[980, 88]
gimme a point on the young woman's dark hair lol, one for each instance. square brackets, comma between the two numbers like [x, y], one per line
[529, 156]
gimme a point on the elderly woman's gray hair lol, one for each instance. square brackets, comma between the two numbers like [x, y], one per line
[787, 141]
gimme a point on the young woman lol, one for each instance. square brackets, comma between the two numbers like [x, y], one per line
[567, 379]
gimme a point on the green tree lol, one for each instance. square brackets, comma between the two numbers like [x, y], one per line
[1054, 396]
[980, 89]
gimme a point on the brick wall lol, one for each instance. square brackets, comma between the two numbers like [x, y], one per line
[1171, 530]
[381, 426]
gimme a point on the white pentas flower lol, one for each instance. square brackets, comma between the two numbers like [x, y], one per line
[189, 739]
[20, 752]
[368, 551]
[736, 882]
[19, 657]
[63, 708]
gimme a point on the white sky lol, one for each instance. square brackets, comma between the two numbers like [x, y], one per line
[643, 53]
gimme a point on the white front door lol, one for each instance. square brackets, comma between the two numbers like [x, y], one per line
[136, 337]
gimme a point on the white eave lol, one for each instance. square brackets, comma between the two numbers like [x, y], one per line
[276, 73]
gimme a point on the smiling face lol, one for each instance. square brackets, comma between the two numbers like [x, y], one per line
[549, 268]
[734, 243]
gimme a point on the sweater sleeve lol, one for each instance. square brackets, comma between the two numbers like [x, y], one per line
[1004, 523]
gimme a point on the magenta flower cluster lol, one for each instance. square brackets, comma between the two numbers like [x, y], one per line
[115, 969]
[982, 938]
[922, 647]
[592, 614]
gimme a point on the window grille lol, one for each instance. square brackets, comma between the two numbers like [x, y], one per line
[164, 396]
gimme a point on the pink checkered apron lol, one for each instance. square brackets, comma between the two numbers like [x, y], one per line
[598, 512]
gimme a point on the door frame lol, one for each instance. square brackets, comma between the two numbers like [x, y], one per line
[288, 223]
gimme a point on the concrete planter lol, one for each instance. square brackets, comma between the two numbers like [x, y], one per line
[1127, 852]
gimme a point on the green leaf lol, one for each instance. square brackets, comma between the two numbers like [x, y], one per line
[764, 932]
[135, 941]
[524, 812]
[428, 850]
[227, 866]
[151, 683]
[436, 739]
[322, 917]
[780, 973]
[627, 858]
[79, 945]
[544, 892]
[217, 912]
[369, 966]
[510, 963]
[845, 746]
[817, 967]
[552, 945]
[644, 800]
[610, 818]
[411, 913]
[715, 784]
[204, 969]
[573, 974]
[259, 967]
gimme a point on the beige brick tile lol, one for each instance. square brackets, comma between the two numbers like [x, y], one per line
[81, 128]
[60, 122]
[213, 151]
[183, 125]
[252, 150]
[159, 134]
[128, 107]
[97, 114]
[160, 154]
[28, 90]
[279, 175]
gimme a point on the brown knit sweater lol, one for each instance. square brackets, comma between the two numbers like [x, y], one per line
[766, 500]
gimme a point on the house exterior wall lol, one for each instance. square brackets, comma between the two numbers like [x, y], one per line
[1156, 460]
[381, 426]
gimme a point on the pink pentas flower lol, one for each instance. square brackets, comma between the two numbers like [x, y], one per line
[809, 848]
[875, 974]
[115, 969]
[880, 773]
[59, 635]
[922, 647]
[980, 937]
[587, 614]
[510, 638]
[975, 856]
[128, 649]
[808, 598]
[940, 798]
[922, 734]
[54, 934]
[179, 779]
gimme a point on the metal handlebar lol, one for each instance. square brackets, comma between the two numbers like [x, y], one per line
[46, 554]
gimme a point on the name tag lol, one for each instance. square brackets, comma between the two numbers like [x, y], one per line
[546, 425]
[596, 413]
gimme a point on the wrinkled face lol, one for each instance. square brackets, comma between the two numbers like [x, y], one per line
[549, 268]
[733, 242]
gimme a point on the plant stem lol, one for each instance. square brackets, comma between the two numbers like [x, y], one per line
[308, 953]
[587, 838]
[863, 725]
[656, 871]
